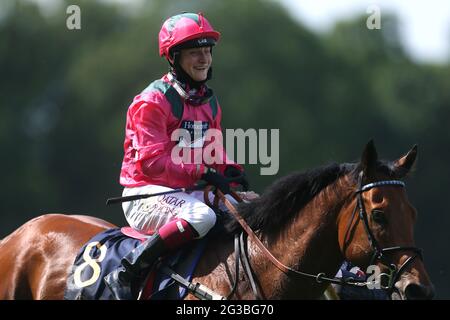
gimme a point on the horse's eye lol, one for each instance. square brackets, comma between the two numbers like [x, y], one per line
[378, 217]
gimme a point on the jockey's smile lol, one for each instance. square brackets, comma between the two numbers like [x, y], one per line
[196, 62]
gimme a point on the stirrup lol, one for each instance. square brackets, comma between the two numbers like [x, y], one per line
[121, 290]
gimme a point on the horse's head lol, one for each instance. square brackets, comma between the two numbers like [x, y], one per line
[376, 226]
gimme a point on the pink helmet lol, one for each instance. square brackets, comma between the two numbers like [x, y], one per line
[185, 27]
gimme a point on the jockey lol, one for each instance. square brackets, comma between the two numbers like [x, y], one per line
[179, 100]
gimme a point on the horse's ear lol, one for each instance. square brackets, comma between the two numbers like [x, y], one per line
[404, 164]
[369, 159]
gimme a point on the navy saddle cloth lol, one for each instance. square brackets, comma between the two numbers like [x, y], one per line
[103, 253]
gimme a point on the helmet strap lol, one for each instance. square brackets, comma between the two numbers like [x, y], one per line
[191, 99]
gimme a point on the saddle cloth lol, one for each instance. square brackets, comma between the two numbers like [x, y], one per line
[103, 253]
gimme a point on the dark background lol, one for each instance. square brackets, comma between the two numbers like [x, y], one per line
[64, 96]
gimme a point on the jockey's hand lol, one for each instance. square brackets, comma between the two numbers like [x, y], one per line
[232, 172]
[217, 180]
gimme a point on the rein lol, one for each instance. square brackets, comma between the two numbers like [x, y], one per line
[320, 277]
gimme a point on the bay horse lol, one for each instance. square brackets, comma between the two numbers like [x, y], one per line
[309, 221]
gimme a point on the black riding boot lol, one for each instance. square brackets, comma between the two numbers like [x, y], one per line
[125, 281]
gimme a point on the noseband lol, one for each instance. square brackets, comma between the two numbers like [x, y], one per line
[379, 254]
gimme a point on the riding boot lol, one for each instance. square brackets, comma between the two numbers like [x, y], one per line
[125, 282]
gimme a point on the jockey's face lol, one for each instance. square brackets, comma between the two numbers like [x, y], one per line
[196, 62]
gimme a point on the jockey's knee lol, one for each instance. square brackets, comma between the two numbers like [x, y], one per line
[202, 220]
[207, 222]
[210, 221]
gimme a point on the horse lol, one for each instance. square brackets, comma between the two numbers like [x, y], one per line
[310, 222]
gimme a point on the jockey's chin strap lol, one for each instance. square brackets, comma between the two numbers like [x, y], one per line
[195, 100]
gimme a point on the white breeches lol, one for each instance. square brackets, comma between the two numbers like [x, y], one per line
[150, 214]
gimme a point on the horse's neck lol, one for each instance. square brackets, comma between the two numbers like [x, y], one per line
[309, 244]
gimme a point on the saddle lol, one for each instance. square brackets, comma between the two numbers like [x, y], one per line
[104, 252]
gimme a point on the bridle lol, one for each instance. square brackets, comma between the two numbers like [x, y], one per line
[379, 254]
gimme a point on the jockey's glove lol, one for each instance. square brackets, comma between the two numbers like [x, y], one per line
[237, 175]
[217, 180]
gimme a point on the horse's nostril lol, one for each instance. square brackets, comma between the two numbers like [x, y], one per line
[418, 292]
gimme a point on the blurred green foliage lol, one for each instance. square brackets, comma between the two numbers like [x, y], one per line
[64, 96]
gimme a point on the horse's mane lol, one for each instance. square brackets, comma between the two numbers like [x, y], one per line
[285, 197]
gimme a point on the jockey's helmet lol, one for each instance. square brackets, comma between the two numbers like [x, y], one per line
[186, 30]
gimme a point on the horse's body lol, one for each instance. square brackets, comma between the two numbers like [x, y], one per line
[304, 220]
[36, 258]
